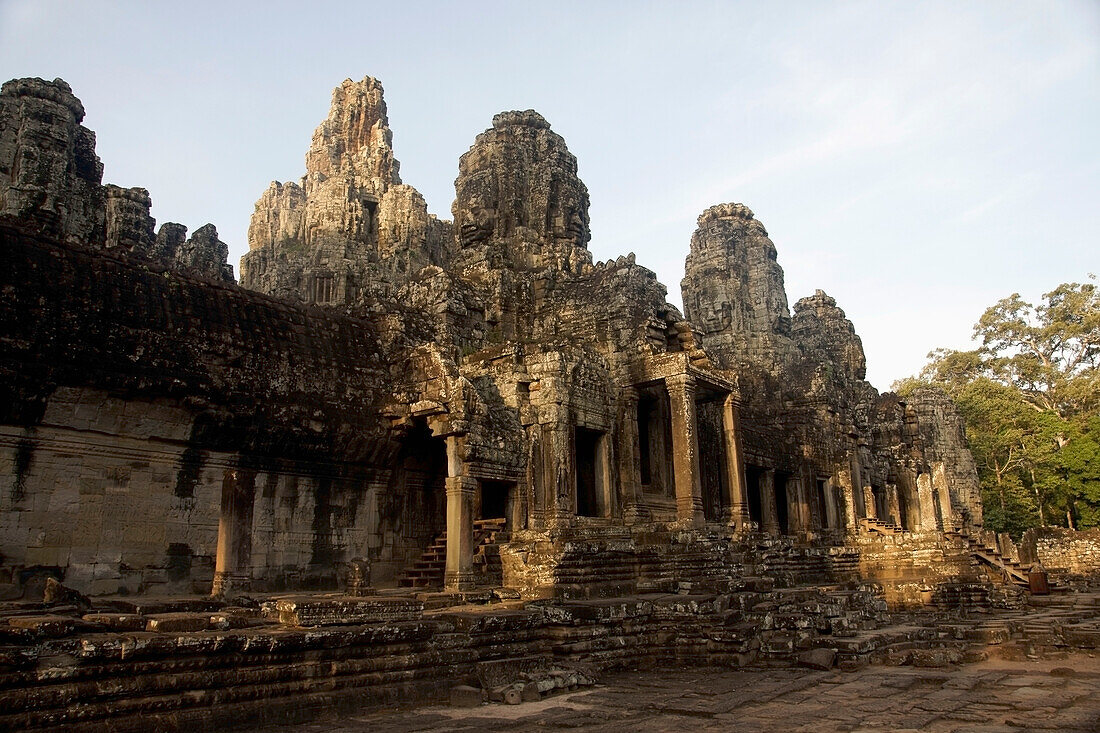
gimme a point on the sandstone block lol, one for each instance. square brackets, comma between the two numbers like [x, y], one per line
[465, 696]
[168, 623]
[50, 625]
[819, 658]
[117, 621]
[341, 610]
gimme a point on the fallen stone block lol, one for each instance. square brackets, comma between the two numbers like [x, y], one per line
[465, 696]
[170, 623]
[52, 626]
[817, 658]
[117, 621]
[531, 692]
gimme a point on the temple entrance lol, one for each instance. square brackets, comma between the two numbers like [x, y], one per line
[903, 515]
[590, 456]
[882, 509]
[712, 461]
[655, 443]
[417, 510]
[494, 500]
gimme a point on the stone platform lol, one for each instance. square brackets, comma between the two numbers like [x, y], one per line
[996, 695]
[202, 665]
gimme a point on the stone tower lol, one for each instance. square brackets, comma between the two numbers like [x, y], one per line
[350, 228]
[733, 288]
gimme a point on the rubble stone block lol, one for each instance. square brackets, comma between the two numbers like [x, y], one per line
[819, 658]
[169, 623]
[465, 696]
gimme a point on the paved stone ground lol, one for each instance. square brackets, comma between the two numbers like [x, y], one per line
[995, 695]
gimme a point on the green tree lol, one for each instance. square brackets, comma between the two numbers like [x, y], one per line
[1030, 395]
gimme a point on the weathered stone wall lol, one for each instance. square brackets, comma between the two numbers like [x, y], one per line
[1062, 551]
[130, 390]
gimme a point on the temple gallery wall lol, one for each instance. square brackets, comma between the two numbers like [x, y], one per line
[391, 399]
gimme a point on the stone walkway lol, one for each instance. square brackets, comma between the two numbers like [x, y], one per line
[995, 695]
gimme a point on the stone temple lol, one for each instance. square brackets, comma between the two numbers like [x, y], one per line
[396, 412]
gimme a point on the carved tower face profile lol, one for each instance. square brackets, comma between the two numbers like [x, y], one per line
[477, 222]
[519, 178]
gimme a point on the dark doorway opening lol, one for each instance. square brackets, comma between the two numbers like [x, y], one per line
[415, 511]
[712, 460]
[494, 500]
[586, 444]
[753, 475]
[903, 513]
[782, 504]
[647, 406]
[882, 509]
[823, 508]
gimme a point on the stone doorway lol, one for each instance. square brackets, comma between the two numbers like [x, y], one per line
[753, 476]
[590, 448]
[494, 500]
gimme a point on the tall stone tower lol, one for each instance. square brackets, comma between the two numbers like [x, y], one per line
[350, 228]
[733, 288]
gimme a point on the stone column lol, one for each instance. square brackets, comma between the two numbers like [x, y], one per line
[735, 464]
[870, 506]
[461, 491]
[769, 515]
[847, 489]
[829, 498]
[798, 519]
[629, 456]
[893, 505]
[685, 450]
[948, 518]
[233, 557]
[927, 503]
[859, 506]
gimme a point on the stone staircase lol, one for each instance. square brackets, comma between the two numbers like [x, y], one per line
[877, 526]
[1010, 570]
[427, 572]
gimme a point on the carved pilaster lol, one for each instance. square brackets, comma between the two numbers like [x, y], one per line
[461, 492]
[685, 450]
[738, 509]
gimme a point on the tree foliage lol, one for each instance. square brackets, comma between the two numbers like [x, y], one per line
[1030, 395]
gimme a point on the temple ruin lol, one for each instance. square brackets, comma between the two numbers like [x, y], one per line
[392, 405]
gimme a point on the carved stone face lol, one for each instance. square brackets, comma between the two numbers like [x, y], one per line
[569, 225]
[477, 222]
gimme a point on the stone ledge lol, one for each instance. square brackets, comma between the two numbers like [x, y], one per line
[341, 610]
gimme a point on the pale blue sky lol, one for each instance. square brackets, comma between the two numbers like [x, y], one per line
[916, 160]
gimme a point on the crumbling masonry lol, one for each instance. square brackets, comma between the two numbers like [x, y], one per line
[381, 377]
[453, 450]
